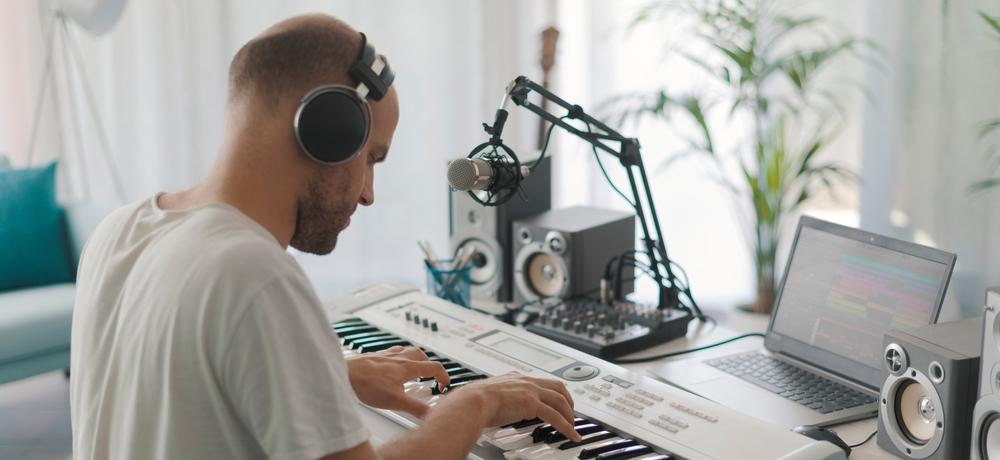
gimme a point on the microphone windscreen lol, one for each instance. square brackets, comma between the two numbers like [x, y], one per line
[463, 173]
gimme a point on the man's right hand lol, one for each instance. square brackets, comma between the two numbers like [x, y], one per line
[514, 397]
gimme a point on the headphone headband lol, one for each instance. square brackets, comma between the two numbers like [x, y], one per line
[372, 72]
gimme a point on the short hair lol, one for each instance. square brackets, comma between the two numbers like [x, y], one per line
[292, 58]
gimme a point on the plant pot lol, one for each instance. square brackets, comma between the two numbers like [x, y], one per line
[764, 303]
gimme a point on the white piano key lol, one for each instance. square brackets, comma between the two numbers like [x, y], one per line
[504, 432]
[552, 452]
[513, 442]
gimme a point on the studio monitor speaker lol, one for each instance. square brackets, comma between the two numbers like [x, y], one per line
[931, 375]
[487, 231]
[985, 427]
[562, 253]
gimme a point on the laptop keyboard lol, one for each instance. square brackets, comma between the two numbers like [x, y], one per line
[791, 382]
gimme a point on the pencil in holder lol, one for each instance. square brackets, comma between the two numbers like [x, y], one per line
[446, 281]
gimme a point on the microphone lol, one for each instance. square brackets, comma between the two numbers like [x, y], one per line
[465, 174]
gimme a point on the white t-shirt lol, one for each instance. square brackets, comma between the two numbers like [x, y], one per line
[196, 336]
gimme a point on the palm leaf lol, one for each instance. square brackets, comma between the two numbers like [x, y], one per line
[988, 126]
[984, 185]
[993, 22]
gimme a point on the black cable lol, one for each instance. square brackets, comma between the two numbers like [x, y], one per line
[605, 172]
[684, 352]
[545, 145]
[869, 438]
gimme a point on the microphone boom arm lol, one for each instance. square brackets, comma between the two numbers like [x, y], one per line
[629, 156]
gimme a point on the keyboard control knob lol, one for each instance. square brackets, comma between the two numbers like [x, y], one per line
[579, 372]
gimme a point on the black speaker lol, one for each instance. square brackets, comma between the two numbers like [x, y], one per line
[487, 231]
[985, 416]
[931, 375]
[562, 253]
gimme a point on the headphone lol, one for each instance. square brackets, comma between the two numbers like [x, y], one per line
[333, 122]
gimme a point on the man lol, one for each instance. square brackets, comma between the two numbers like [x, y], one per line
[195, 335]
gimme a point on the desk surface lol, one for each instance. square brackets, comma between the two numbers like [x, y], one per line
[734, 322]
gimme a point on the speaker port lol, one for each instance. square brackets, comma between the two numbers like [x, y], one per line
[936, 371]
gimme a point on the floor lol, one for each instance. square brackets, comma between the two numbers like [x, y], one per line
[34, 419]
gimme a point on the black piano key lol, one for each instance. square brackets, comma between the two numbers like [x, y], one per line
[524, 423]
[379, 346]
[583, 430]
[348, 339]
[452, 372]
[542, 432]
[626, 453]
[356, 343]
[436, 391]
[354, 328]
[593, 452]
[597, 437]
[467, 378]
[342, 324]
[347, 321]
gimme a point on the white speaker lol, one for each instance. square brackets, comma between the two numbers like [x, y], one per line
[985, 429]
[487, 231]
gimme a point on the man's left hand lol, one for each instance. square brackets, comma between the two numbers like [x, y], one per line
[378, 378]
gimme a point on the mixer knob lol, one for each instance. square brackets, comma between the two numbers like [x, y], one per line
[578, 327]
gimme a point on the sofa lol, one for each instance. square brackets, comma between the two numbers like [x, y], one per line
[35, 322]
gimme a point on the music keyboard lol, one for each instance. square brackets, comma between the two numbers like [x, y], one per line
[622, 414]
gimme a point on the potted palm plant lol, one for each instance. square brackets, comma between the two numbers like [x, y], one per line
[763, 66]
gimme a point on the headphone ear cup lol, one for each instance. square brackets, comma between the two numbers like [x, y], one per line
[332, 125]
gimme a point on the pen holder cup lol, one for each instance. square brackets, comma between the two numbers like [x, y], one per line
[451, 284]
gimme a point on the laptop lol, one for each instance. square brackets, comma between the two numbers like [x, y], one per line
[821, 364]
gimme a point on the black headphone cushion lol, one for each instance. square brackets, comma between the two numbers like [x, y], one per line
[333, 126]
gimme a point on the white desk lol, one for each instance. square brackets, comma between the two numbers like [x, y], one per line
[732, 323]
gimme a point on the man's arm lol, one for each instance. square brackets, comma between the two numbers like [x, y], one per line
[452, 427]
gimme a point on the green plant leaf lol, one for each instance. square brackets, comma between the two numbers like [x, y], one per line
[988, 127]
[984, 185]
[993, 22]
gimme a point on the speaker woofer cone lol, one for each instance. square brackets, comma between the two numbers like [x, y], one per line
[989, 437]
[916, 412]
[546, 276]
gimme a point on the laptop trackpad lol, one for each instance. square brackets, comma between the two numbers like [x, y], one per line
[754, 401]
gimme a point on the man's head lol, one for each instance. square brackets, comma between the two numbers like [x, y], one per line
[268, 78]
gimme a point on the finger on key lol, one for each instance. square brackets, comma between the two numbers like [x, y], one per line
[414, 353]
[429, 369]
[555, 385]
[395, 349]
[558, 402]
[554, 418]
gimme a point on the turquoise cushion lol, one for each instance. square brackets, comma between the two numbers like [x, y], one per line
[33, 249]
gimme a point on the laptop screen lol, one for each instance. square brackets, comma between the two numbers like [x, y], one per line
[844, 288]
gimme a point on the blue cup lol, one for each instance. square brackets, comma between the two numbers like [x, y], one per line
[450, 283]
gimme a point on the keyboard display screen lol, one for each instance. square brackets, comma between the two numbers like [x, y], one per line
[842, 295]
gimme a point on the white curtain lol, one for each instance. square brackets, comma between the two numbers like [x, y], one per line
[159, 77]
[921, 149]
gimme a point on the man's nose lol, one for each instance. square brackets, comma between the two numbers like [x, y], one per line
[368, 194]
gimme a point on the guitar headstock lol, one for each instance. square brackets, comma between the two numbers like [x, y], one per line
[549, 38]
